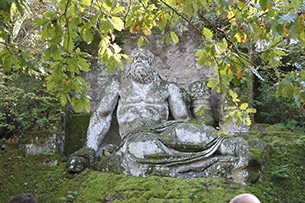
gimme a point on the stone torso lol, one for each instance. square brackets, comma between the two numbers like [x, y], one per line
[139, 103]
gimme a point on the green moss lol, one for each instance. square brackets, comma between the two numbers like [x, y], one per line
[41, 175]
[76, 131]
[124, 188]
[283, 178]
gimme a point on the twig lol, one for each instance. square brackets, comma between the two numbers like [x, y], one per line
[183, 17]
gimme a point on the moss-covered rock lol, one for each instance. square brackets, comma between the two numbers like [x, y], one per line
[76, 132]
[81, 159]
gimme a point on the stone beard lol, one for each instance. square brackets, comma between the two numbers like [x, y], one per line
[141, 72]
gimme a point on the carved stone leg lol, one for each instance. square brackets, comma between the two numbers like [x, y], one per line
[238, 147]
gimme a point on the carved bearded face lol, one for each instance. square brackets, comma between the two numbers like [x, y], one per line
[141, 69]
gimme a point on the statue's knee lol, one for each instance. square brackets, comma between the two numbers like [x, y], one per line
[226, 147]
[144, 149]
[234, 146]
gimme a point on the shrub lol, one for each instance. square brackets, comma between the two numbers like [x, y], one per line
[26, 106]
[280, 110]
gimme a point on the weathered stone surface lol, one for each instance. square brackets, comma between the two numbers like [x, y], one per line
[175, 63]
[151, 144]
[81, 159]
[44, 143]
[200, 96]
[183, 150]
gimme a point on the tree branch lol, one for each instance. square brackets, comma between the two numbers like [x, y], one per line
[183, 17]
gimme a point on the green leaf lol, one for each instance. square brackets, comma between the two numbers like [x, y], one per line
[63, 4]
[80, 103]
[52, 52]
[87, 35]
[286, 87]
[62, 98]
[167, 39]
[55, 52]
[207, 33]
[202, 60]
[199, 52]
[279, 52]
[212, 83]
[5, 5]
[68, 44]
[118, 10]
[188, 8]
[202, 57]
[117, 23]
[263, 4]
[51, 83]
[223, 45]
[72, 65]
[40, 21]
[86, 2]
[20, 5]
[83, 64]
[55, 64]
[8, 63]
[171, 3]
[174, 37]
[110, 66]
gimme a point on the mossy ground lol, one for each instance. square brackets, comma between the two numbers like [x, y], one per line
[45, 177]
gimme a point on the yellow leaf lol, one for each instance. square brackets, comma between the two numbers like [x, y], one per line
[232, 113]
[140, 41]
[233, 94]
[117, 23]
[243, 106]
[86, 2]
[207, 33]
[146, 31]
[251, 110]
[240, 37]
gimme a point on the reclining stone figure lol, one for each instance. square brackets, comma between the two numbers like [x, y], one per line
[153, 144]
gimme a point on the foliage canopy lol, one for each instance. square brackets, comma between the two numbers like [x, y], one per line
[240, 40]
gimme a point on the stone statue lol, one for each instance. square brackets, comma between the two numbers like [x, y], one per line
[158, 137]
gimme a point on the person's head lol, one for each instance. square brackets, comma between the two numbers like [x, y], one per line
[245, 198]
[23, 198]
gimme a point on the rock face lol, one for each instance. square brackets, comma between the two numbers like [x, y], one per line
[157, 134]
